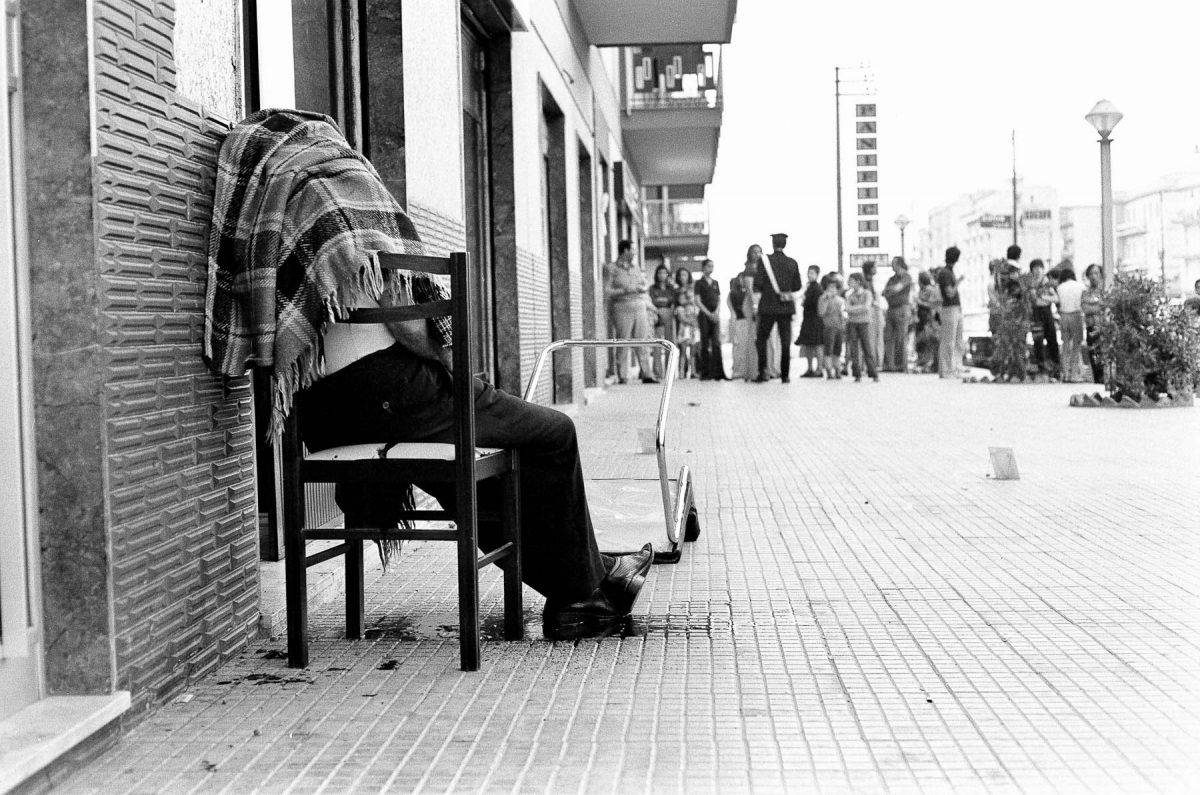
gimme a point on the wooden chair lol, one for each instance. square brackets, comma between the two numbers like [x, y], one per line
[386, 465]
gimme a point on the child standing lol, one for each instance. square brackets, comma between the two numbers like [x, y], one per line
[832, 309]
[860, 346]
[687, 330]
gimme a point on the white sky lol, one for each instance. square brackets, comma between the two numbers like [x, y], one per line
[953, 78]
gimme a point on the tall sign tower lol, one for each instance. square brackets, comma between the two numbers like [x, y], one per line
[866, 162]
[858, 82]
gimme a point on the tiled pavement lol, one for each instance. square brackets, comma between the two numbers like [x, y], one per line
[866, 609]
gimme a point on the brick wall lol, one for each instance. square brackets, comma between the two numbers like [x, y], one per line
[179, 458]
[440, 233]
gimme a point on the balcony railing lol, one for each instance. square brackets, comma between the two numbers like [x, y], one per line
[645, 100]
[676, 217]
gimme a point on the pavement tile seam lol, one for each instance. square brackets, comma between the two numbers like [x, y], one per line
[839, 583]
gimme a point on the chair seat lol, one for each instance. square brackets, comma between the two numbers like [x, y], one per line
[405, 451]
[413, 461]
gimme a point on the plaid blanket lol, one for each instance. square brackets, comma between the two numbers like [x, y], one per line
[296, 213]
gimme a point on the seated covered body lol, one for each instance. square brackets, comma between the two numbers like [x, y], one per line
[296, 215]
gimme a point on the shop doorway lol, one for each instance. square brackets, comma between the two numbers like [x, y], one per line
[20, 594]
[477, 191]
[587, 262]
[554, 192]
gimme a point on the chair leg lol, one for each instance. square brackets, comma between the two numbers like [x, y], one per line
[356, 595]
[468, 590]
[514, 618]
[295, 573]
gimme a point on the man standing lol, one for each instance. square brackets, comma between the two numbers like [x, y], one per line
[1042, 297]
[625, 288]
[1012, 256]
[776, 279]
[898, 292]
[950, 342]
[708, 293]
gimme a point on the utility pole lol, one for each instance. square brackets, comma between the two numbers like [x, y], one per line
[837, 139]
[1014, 187]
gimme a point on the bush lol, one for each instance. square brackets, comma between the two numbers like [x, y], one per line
[1150, 347]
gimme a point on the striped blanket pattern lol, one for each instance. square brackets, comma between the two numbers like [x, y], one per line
[296, 214]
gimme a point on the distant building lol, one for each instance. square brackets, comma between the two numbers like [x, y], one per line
[1157, 232]
[1079, 228]
[672, 107]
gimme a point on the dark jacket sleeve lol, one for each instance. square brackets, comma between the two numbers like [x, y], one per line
[760, 278]
[796, 285]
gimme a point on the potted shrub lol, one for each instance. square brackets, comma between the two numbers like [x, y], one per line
[1151, 347]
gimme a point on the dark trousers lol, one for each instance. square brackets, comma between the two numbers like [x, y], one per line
[860, 348]
[1045, 345]
[712, 363]
[394, 395]
[895, 339]
[765, 324]
[1094, 354]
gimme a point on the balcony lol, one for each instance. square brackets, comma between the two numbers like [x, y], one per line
[673, 113]
[625, 23]
[676, 227]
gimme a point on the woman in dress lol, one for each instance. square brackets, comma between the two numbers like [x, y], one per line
[662, 296]
[684, 280]
[687, 331]
[811, 334]
[876, 321]
[741, 324]
[1093, 312]
[928, 300]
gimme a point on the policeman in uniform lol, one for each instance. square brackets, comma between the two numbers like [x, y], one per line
[776, 305]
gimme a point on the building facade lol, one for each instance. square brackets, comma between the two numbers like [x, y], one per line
[666, 90]
[1157, 232]
[1079, 229]
[134, 485]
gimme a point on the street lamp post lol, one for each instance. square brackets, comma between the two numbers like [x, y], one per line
[901, 223]
[1104, 117]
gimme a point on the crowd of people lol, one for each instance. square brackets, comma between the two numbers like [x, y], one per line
[852, 326]
[846, 327]
[672, 306]
[857, 326]
[1043, 304]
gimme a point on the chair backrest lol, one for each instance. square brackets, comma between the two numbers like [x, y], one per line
[459, 307]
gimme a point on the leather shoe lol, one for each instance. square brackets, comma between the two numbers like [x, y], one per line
[583, 619]
[628, 575]
[649, 379]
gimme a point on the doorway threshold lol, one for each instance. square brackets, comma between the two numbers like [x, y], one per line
[32, 739]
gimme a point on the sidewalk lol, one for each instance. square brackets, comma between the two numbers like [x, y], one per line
[865, 609]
